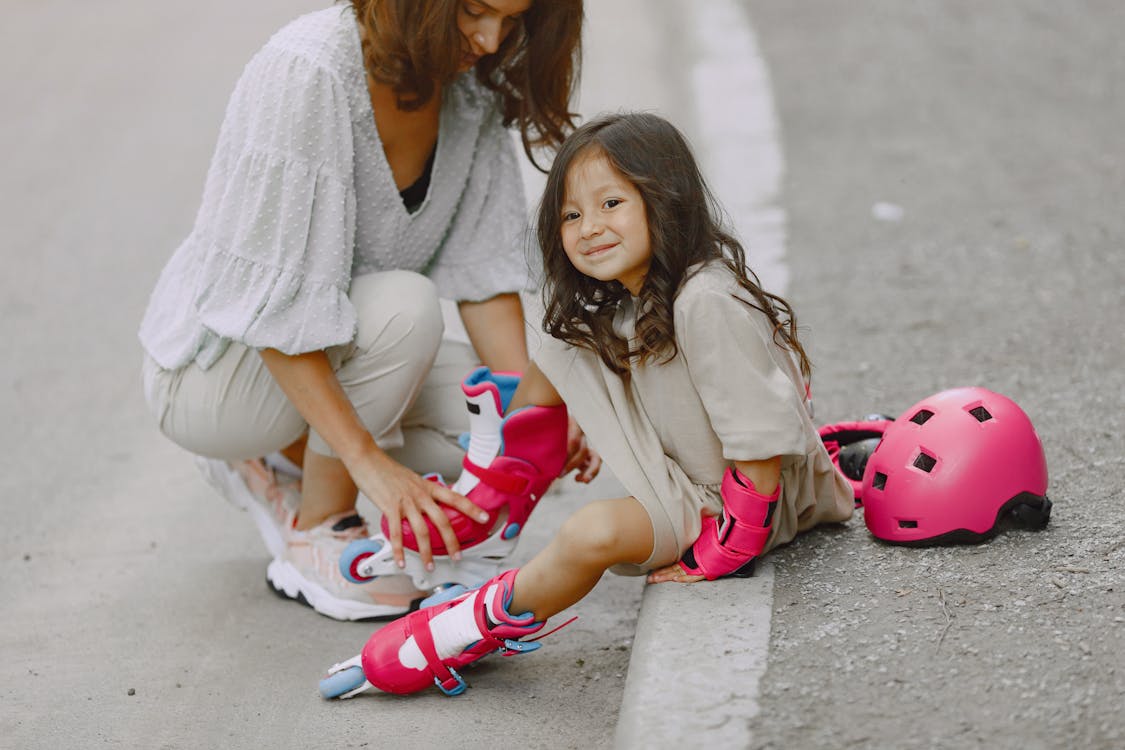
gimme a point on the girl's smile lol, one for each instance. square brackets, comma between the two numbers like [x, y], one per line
[604, 225]
[599, 249]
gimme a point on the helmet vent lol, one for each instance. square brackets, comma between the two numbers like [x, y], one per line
[880, 480]
[981, 414]
[925, 462]
[922, 416]
[904, 524]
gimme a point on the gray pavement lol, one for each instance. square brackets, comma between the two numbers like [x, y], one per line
[996, 128]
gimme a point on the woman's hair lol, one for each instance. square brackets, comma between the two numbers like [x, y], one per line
[413, 45]
[684, 230]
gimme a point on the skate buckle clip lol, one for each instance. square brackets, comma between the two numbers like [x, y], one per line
[510, 647]
[458, 683]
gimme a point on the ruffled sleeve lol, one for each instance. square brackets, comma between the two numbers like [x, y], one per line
[485, 252]
[277, 223]
[754, 407]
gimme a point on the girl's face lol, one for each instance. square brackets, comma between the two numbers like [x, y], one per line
[484, 24]
[604, 226]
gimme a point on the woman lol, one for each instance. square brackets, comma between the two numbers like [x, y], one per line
[363, 168]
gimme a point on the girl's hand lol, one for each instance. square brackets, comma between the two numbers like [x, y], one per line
[579, 455]
[400, 493]
[672, 572]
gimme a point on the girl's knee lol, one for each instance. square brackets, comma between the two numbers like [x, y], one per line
[608, 532]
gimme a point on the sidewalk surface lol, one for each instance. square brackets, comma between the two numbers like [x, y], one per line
[947, 211]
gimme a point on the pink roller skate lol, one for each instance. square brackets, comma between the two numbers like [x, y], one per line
[428, 646]
[510, 462]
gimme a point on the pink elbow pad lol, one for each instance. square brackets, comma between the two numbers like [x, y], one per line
[729, 544]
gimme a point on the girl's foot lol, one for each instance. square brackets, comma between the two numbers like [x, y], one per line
[427, 647]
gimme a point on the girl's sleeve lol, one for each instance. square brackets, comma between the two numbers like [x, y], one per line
[485, 250]
[753, 406]
[278, 215]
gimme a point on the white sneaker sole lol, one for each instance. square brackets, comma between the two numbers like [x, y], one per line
[220, 475]
[287, 581]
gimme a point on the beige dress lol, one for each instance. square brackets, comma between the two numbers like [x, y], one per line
[669, 432]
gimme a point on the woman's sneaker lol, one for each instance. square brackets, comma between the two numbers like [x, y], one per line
[308, 570]
[272, 499]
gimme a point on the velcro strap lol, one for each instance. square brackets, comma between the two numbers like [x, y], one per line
[513, 485]
[845, 433]
[425, 640]
[713, 559]
[743, 539]
[742, 501]
[492, 588]
[837, 437]
[718, 560]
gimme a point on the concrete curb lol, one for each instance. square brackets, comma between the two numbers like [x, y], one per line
[698, 655]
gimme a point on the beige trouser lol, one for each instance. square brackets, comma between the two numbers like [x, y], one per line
[400, 376]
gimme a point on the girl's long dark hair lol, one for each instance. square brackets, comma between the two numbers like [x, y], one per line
[684, 230]
[414, 45]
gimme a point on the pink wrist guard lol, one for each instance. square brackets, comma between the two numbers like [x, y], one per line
[728, 545]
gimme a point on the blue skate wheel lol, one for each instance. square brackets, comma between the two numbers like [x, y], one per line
[354, 554]
[344, 681]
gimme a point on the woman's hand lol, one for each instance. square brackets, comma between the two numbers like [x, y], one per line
[672, 572]
[400, 494]
[311, 385]
[579, 455]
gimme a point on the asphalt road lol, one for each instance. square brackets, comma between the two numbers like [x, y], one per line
[996, 128]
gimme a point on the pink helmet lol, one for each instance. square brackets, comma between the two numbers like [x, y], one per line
[956, 467]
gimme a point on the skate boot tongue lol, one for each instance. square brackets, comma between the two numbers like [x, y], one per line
[486, 396]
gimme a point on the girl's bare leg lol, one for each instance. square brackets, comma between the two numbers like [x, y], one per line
[598, 536]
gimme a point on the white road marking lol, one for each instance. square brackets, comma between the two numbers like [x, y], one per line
[739, 134]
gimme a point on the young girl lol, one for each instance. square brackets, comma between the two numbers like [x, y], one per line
[685, 374]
